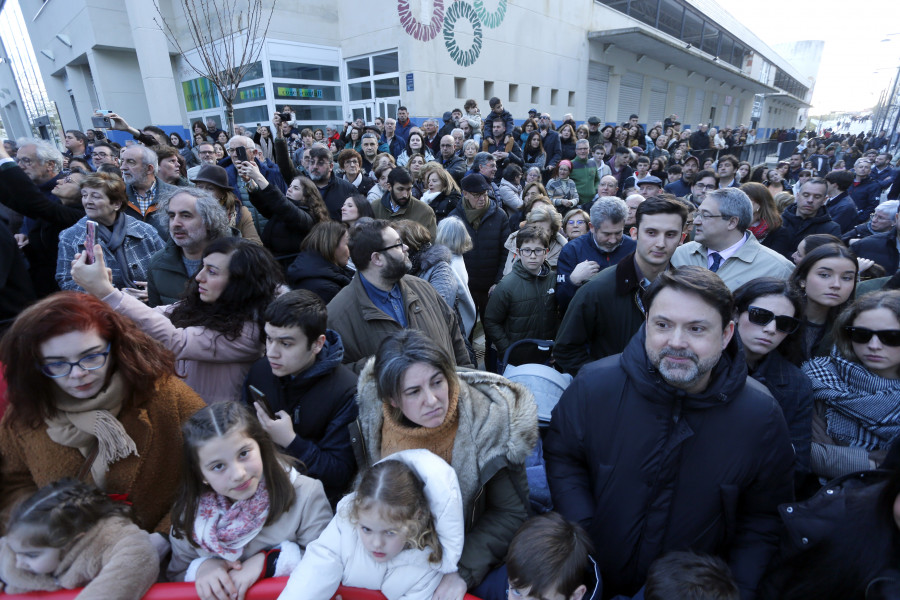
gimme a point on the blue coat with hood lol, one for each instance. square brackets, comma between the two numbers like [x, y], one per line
[321, 404]
[647, 468]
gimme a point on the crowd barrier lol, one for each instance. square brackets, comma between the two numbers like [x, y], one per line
[266, 589]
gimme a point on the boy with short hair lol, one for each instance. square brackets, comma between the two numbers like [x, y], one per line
[309, 390]
[679, 575]
[498, 113]
[523, 305]
[549, 559]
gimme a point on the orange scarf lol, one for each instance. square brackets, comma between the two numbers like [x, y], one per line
[396, 436]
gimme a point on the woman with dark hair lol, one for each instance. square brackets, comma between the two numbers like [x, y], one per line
[354, 208]
[354, 139]
[199, 127]
[184, 149]
[528, 127]
[222, 138]
[215, 331]
[743, 172]
[128, 244]
[264, 139]
[416, 167]
[766, 313]
[857, 387]
[533, 153]
[483, 425]
[826, 282]
[220, 151]
[214, 179]
[841, 544]
[415, 144]
[91, 396]
[321, 266]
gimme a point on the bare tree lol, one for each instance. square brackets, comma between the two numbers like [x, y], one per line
[228, 41]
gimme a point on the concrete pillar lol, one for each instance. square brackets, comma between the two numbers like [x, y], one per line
[152, 51]
[80, 83]
[612, 94]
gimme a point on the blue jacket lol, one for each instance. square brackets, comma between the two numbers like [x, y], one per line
[865, 195]
[553, 148]
[843, 211]
[579, 250]
[396, 147]
[266, 169]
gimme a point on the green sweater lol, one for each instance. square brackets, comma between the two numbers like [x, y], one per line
[586, 178]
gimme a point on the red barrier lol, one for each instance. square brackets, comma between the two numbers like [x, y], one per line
[266, 589]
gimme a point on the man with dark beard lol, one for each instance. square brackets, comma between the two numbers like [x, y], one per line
[382, 298]
[670, 446]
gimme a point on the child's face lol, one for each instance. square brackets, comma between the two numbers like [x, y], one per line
[38, 560]
[532, 255]
[231, 465]
[524, 594]
[382, 539]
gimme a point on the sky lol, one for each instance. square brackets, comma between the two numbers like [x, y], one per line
[856, 64]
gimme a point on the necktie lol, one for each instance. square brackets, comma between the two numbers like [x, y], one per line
[717, 261]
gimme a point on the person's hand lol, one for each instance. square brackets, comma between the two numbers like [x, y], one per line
[249, 171]
[281, 430]
[21, 239]
[214, 582]
[118, 123]
[491, 291]
[500, 155]
[584, 271]
[245, 574]
[96, 279]
[864, 263]
[139, 291]
[451, 587]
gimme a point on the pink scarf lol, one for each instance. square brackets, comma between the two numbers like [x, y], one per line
[224, 528]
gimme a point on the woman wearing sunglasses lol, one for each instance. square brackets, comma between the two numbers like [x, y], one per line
[766, 312]
[857, 388]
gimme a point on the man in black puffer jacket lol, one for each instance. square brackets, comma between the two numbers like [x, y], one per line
[804, 217]
[670, 446]
[309, 390]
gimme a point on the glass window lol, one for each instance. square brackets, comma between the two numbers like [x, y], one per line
[737, 55]
[254, 72]
[387, 87]
[250, 93]
[292, 70]
[726, 47]
[710, 39]
[294, 91]
[385, 63]
[692, 28]
[360, 91]
[619, 5]
[358, 68]
[670, 16]
[306, 112]
[199, 94]
[251, 114]
[645, 11]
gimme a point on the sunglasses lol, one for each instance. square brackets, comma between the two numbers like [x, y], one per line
[861, 335]
[762, 317]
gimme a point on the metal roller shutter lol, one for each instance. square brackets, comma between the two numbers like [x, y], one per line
[697, 109]
[680, 107]
[630, 95]
[659, 91]
[597, 89]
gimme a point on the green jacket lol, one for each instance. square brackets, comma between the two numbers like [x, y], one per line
[602, 317]
[584, 174]
[166, 276]
[523, 305]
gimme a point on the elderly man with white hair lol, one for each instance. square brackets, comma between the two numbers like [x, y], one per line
[143, 188]
[268, 170]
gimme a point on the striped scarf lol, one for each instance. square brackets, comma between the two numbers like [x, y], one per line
[861, 408]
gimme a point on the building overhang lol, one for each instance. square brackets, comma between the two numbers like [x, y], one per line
[790, 99]
[675, 53]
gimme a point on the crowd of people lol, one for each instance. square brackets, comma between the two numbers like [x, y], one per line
[257, 354]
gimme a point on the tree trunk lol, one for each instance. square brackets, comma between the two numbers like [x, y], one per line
[229, 117]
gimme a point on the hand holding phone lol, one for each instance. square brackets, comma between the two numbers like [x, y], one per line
[241, 153]
[263, 402]
[90, 238]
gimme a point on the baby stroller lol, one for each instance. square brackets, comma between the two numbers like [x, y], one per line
[547, 385]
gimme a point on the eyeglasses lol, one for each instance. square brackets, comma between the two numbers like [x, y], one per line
[62, 368]
[705, 186]
[575, 222]
[23, 160]
[762, 317]
[385, 249]
[705, 215]
[533, 251]
[861, 335]
[100, 155]
[207, 153]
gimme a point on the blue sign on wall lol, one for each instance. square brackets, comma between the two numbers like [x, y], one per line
[410, 85]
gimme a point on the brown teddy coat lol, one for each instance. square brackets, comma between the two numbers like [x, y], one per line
[31, 459]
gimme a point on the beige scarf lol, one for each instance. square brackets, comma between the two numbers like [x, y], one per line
[82, 423]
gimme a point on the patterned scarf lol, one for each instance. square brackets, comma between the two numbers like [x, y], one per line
[760, 230]
[861, 408]
[224, 528]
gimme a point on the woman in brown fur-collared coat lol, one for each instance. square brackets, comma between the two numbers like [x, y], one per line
[92, 397]
[483, 425]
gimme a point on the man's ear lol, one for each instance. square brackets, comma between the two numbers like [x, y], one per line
[318, 344]
[633, 233]
[579, 592]
[727, 334]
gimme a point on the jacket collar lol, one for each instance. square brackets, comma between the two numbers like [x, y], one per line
[627, 280]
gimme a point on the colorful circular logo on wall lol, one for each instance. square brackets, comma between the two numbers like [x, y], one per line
[458, 10]
[477, 15]
[418, 30]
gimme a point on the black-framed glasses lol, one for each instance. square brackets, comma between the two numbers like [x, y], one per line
[385, 249]
[862, 335]
[762, 317]
[705, 186]
[533, 251]
[62, 368]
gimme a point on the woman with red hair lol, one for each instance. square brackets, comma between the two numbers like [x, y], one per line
[91, 396]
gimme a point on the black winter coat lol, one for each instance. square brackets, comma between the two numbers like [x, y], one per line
[334, 194]
[648, 469]
[443, 204]
[882, 248]
[288, 223]
[321, 404]
[312, 271]
[796, 229]
[485, 261]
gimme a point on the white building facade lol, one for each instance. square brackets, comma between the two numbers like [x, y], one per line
[338, 60]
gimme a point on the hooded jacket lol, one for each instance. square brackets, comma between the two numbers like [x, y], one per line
[113, 560]
[797, 228]
[432, 264]
[647, 468]
[320, 402]
[312, 271]
[522, 306]
[338, 556]
[496, 434]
